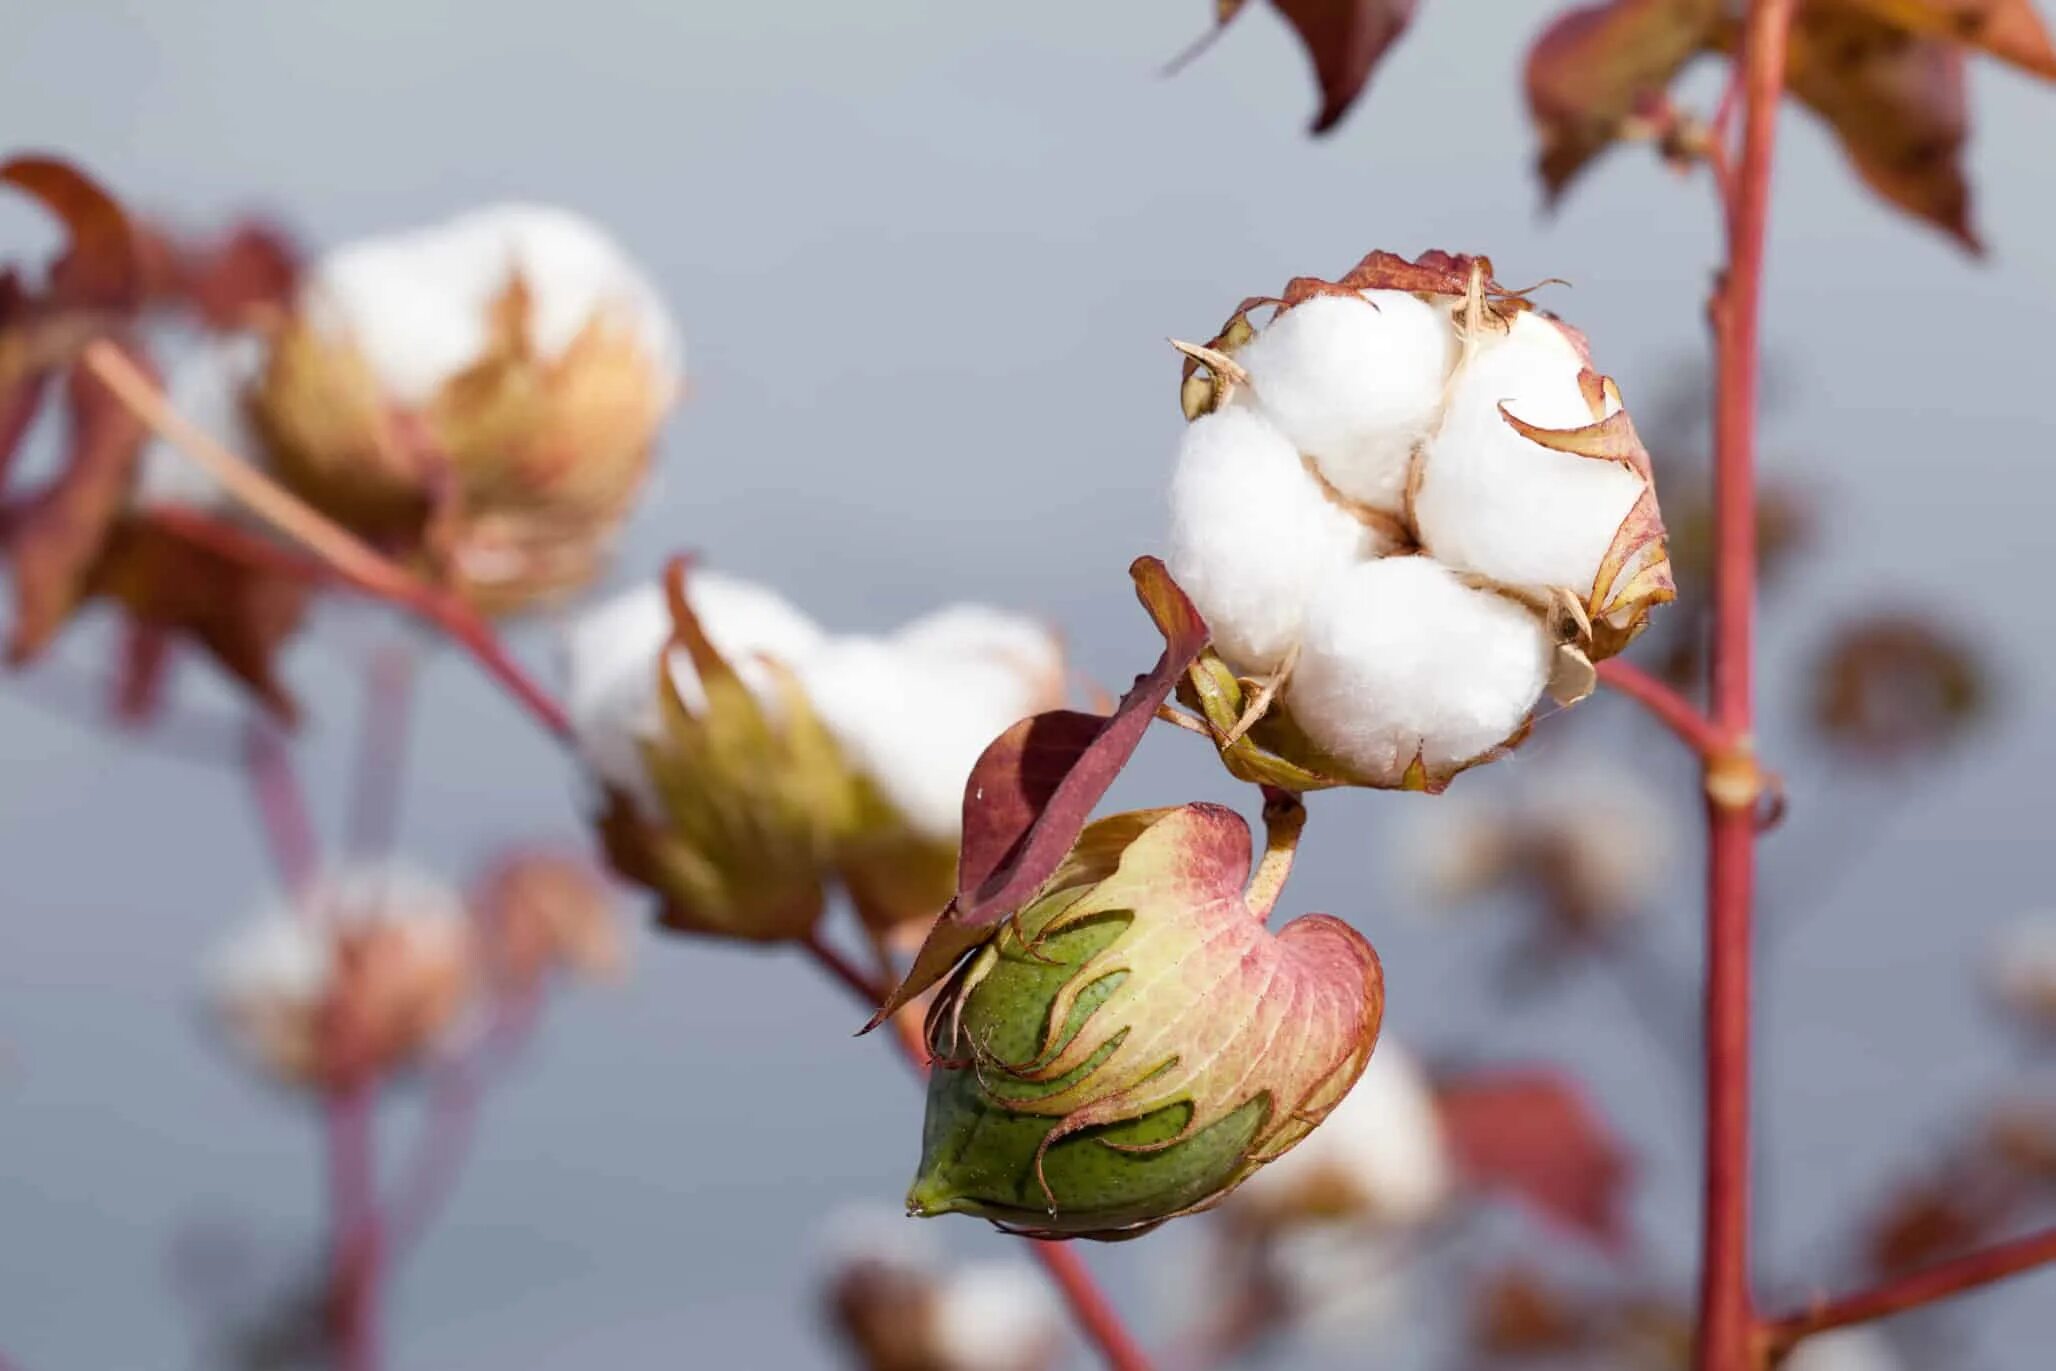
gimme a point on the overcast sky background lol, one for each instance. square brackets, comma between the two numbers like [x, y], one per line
[926, 255]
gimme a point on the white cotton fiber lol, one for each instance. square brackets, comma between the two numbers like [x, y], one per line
[280, 956]
[914, 711]
[207, 387]
[611, 653]
[1355, 382]
[418, 303]
[1844, 1349]
[1400, 656]
[995, 1316]
[1252, 535]
[1492, 501]
[1384, 1142]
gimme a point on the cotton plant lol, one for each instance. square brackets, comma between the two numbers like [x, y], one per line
[1408, 509]
[484, 393]
[748, 760]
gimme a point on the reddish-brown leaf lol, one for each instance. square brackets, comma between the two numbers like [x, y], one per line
[1034, 788]
[231, 282]
[59, 533]
[239, 612]
[18, 405]
[1895, 99]
[101, 267]
[1345, 40]
[1531, 1131]
[1595, 69]
[2009, 30]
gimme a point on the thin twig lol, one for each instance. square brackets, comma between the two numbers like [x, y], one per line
[382, 752]
[352, 559]
[355, 1260]
[1912, 1291]
[1090, 1309]
[281, 807]
[1671, 709]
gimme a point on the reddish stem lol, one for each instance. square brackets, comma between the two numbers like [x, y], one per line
[281, 807]
[1727, 1334]
[356, 1249]
[1094, 1314]
[1923, 1287]
[1671, 709]
[382, 751]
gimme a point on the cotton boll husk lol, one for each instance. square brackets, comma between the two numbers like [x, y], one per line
[418, 304]
[1844, 1349]
[208, 387]
[1400, 657]
[1381, 1155]
[1355, 382]
[995, 1316]
[1494, 502]
[610, 664]
[1252, 536]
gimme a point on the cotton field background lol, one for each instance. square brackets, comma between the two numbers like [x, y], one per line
[925, 258]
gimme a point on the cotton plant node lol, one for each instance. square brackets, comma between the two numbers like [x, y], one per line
[1133, 1042]
[1456, 427]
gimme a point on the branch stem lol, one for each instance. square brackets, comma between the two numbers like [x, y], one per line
[356, 1252]
[1727, 1336]
[1912, 1291]
[1669, 708]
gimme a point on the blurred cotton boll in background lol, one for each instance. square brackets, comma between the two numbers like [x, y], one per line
[1845, 1349]
[2023, 972]
[895, 1304]
[484, 392]
[363, 972]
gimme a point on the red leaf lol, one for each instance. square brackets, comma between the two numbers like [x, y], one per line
[18, 405]
[1532, 1132]
[102, 265]
[60, 533]
[1594, 69]
[232, 282]
[1896, 101]
[2009, 30]
[1034, 788]
[1345, 39]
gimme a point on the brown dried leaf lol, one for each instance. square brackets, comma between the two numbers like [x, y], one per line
[1532, 1132]
[1346, 39]
[102, 266]
[1892, 686]
[1896, 101]
[2009, 30]
[58, 535]
[1595, 69]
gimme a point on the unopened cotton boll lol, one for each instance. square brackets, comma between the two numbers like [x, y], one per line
[1381, 1155]
[1400, 658]
[1253, 537]
[1497, 503]
[611, 663]
[1355, 382]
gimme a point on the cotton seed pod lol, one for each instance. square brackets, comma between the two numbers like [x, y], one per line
[743, 794]
[1135, 1043]
[1380, 1158]
[485, 392]
[363, 974]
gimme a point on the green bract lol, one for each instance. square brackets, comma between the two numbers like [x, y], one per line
[1135, 1042]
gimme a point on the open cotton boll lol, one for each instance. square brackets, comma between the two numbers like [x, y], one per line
[1844, 1349]
[207, 387]
[1355, 382]
[1381, 1154]
[610, 663]
[915, 722]
[418, 304]
[1401, 657]
[279, 955]
[968, 630]
[1496, 503]
[995, 1316]
[1253, 536]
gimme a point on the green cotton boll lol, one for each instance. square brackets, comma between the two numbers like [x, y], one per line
[1135, 1043]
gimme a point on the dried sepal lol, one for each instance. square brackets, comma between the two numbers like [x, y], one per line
[1135, 1043]
[101, 266]
[1344, 39]
[2009, 30]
